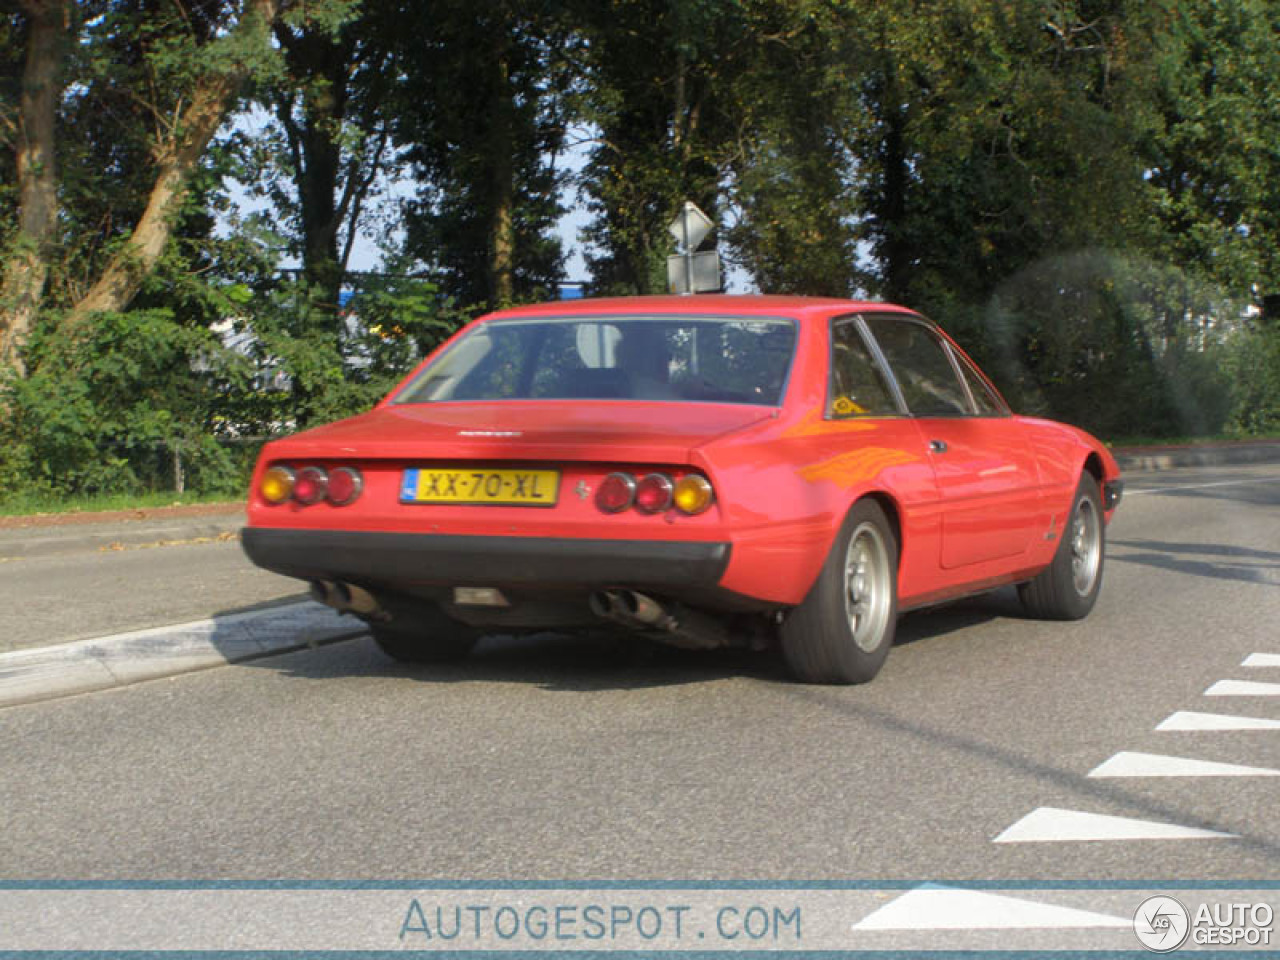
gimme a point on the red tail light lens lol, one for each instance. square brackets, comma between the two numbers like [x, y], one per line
[653, 493]
[310, 485]
[345, 484]
[617, 492]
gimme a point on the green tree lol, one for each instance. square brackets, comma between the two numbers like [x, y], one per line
[328, 102]
[181, 74]
[481, 108]
[1213, 154]
[789, 183]
[660, 96]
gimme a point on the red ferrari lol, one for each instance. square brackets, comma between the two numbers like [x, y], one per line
[707, 471]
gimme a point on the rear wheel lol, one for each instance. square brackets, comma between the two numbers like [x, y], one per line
[427, 638]
[843, 630]
[1068, 588]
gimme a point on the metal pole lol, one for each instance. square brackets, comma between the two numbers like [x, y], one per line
[688, 254]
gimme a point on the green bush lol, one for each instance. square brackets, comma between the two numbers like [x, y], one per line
[140, 398]
[1253, 365]
[105, 411]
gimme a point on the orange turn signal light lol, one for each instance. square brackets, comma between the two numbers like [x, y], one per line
[693, 494]
[276, 485]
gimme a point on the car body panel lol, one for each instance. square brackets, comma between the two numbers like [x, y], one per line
[990, 479]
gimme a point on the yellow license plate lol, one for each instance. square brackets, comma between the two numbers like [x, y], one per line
[528, 488]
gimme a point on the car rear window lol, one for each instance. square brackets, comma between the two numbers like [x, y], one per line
[684, 359]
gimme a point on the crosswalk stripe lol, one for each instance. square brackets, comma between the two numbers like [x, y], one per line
[949, 909]
[1185, 720]
[1243, 688]
[1057, 825]
[1131, 764]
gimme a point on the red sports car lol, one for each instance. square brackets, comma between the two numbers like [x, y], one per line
[708, 471]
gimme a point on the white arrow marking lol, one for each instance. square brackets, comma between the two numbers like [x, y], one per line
[1054, 825]
[1128, 764]
[947, 909]
[1262, 660]
[1190, 720]
[1243, 688]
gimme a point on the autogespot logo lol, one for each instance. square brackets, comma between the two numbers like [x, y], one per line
[1162, 924]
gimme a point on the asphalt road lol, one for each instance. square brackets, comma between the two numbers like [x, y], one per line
[554, 759]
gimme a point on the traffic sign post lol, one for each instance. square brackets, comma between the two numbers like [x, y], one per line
[689, 271]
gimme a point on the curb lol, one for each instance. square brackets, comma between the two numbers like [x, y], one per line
[25, 542]
[1140, 459]
[47, 673]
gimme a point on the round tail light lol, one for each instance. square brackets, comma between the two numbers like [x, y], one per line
[276, 485]
[617, 492]
[693, 494]
[345, 484]
[653, 493]
[309, 485]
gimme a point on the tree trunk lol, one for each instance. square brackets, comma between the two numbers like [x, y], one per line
[320, 64]
[176, 159]
[502, 239]
[27, 267]
[896, 253]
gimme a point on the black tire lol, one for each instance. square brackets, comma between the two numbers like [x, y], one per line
[1068, 588]
[843, 630]
[432, 639]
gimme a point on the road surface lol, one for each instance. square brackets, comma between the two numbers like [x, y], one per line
[555, 759]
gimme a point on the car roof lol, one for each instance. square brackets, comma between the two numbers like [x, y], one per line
[703, 304]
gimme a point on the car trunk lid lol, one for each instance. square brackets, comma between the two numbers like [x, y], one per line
[597, 430]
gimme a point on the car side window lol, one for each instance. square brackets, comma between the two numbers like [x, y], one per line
[920, 363]
[858, 386]
[984, 398]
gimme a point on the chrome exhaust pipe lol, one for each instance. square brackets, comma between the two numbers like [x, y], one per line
[346, 598]
[645, 610]
[603, 604]
[324, 591]
[360, 601]
[679, 626]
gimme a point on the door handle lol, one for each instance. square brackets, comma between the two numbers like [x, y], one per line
[937, 446]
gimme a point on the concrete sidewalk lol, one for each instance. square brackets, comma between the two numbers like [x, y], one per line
[67, 668]
[120, 530]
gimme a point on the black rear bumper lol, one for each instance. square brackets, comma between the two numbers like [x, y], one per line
[396, 559]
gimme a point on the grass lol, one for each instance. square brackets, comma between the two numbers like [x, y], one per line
[26, 504]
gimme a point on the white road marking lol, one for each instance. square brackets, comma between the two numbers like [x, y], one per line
[948, 909]
[1199, 486]
[1243, 688]
[1190, 720]
[1262, 660]
[1055, 825]
[1130, 764]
